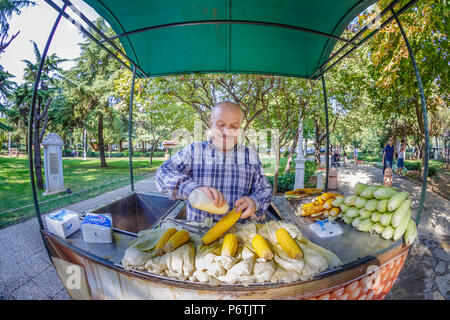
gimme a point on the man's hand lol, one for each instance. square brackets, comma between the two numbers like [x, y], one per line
[247, 204]
[219, 198]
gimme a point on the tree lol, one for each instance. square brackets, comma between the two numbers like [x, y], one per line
[7, 8]
[22, 101]
[91, 85]
[394, 88]
[157, 114]
[7, 87]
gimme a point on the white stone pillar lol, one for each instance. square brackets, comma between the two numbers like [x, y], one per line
[84, 144]
[54, 182]
[300, 160]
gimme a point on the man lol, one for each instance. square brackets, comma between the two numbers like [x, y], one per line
[388, 155]
[224, 169]
[355, 155]
[401, 158]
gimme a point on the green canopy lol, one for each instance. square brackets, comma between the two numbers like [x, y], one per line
[266, 36]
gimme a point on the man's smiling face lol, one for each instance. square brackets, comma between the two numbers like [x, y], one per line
[225, 122]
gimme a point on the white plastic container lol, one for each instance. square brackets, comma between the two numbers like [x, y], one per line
[199, 200]
[63, 222]
[325, 228]
[97, 228]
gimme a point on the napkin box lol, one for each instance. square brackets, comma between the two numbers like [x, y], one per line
[97, 228]
[63, 222]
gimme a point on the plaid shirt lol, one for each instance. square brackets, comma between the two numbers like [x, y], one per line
[236, 174]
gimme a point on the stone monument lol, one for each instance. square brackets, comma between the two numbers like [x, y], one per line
[54, 182]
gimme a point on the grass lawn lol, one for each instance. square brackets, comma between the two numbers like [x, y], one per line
[15, 189]
[79, 175]
[269, 165]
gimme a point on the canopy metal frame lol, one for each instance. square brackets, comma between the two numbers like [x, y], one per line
[320, 72]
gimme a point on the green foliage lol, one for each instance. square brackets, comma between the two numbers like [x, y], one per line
[286, 181]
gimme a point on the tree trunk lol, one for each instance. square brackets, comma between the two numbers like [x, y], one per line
[317, 151]
[291, 153]
[120, 146]
[37, 159]
[101, 146]
[38, 135]
[152, 149]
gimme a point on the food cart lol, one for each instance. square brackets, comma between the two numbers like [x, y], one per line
[289, 38]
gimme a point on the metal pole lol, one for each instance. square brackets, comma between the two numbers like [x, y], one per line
[424, 116]
[94, 27]
[84, 144]
[231, 21]
[31, 117]
[87, 33]
[130, 128]
[364, 40]
[327, 151]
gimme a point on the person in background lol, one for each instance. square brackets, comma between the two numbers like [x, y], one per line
[345, 158]
[401, 158]
[355, 155]
[388, 154]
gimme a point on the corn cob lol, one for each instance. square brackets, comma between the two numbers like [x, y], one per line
[288, 244]
[222, 226]
[411, 233]
[176, 241]
[329, 195]
[308, 211]
[229, 245]
[334, 211]
[162, 241]
[261, 247]
[328, 204]
[304, 190]
[318, 201]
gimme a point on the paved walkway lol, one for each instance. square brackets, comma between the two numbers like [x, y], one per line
[27, 273]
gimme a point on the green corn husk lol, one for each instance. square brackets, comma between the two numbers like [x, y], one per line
[360, 202]
[368, 192]
[344, 207]
[376, 216]
[386, 218]
[350, 200]
[356, 222]
[387, 233]
[396, 200]
[377, 227]
[364, 214]
[384, 193]
[401, 228]
[371, 205]
[382, 205]
[352, 212]
[410, 233]
[365, 225]
[360, 188]
[337, 201]
[400, 212]
[347, 219]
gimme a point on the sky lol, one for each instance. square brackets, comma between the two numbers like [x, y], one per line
[35, 23]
